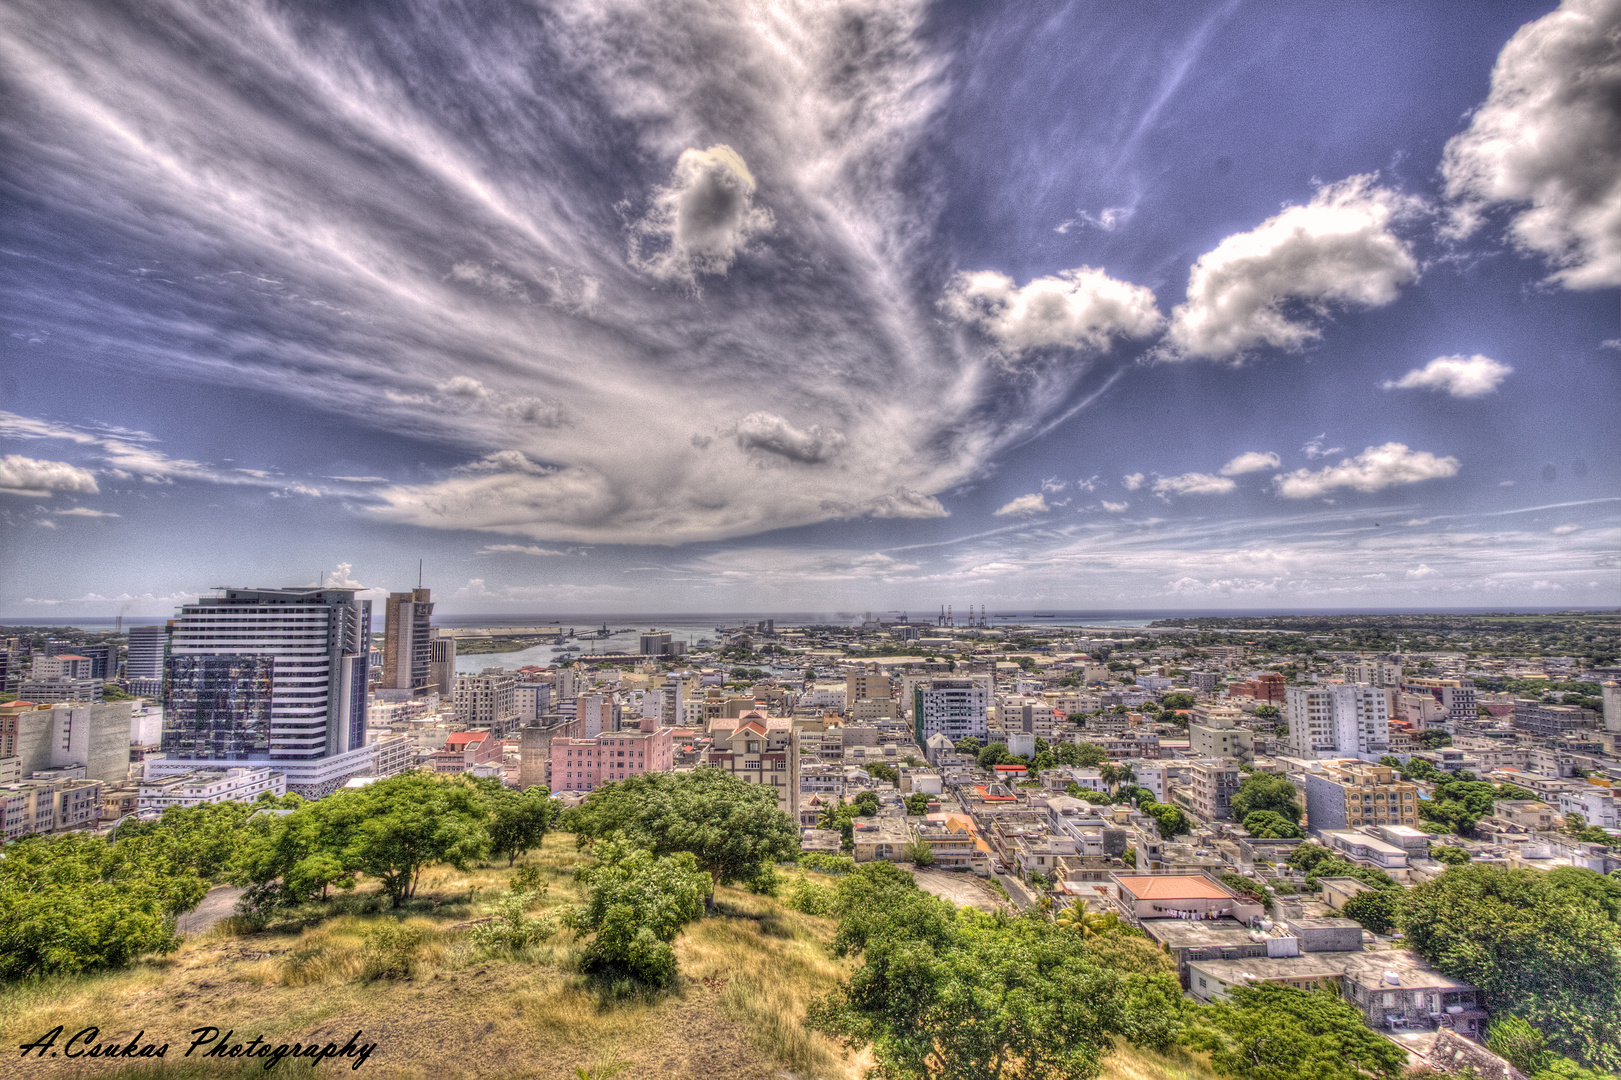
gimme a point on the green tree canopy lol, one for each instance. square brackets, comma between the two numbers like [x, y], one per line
[993, 755]
[968, 745]
[917, 804]
[881, 771]
[1090, 755]
[733, 828]
[408, 822]
[1376, 909]
[1265, 791]
[1272, 1032]
[1271, 825]
[639, 903]
[519, 821]
[1267, 712]
[1541, 950]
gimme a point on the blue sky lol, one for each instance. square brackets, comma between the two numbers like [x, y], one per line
[706, 306]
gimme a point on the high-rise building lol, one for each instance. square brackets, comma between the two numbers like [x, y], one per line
[103, 660]
[488, 699]
[92, 735]
[955, 708]
[407, 646]
[144, 656]
[442, 664]
[269, 676]
[1350, 719]
[1356, 795]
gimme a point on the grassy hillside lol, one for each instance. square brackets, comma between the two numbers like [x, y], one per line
[747, 974]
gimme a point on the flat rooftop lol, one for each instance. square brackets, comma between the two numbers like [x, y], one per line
[1198, 933]
[1309, 966]
[1409, 967]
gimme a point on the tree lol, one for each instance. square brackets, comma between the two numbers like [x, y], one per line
[1376, 909]
[1170, 820]
[879, 770]
[1266, 1031]
[1543, 951]
[1091, 755]
[1179, 700]
[917, 804]
[408, 822]
[1265, 791]
[1452, 856]
[993, 755]
[1519, 1044]
[968, 745]
[1267, 712]
[519, 821]
[732, 827]
[639, 903]
[865, 803]
[290, 859]
[1271, 825]
[962, 994]
[920, 853]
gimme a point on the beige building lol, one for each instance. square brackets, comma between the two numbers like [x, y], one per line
[761, 750]
[488, 699]
[1213, 732]
[1350, 795]
[1212, 783]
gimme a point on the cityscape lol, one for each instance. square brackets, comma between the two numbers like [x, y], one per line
[810, 540]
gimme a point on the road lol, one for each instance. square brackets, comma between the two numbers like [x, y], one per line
[964, 890]
[1022, 896]
[219, 904]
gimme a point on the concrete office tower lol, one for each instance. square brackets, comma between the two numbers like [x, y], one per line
[955, 708]
[103, 660]
[94, 735]
[488, 700]
[1612, 706]
[442, 664]
[269, 676]
[144, 658]
[407, 646]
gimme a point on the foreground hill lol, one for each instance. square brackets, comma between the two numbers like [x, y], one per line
[437, 1002]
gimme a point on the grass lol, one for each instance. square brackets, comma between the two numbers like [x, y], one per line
[439, 1001]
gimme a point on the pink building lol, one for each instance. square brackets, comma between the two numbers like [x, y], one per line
[464, 749]
[587, 764]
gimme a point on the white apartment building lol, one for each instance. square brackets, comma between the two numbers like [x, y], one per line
[955, 708]
[210, 786]
[1338, 720]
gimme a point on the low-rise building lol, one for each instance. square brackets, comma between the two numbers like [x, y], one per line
[1395, 989]
[1211, 980]
[1351, 795]
[883, 837]
[209, 786]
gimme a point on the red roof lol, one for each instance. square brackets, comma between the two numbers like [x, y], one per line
[463, 738]
[1010, 768]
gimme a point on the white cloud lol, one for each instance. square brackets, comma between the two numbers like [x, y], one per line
[1078, 309]
[1133, 481]
[1114, 507]
[1053, 485]
[1549, 134]
[1034, 503]
[1565, 530]
[1338, 250]
[1374, 469]
[1420, 572]
[1461, 376]
[1315, 449]
[1192, 483]
[703, 218]
[31, 476]
[905, 503]
[518, 549]
[1251, 461]
[84, 511]
[774, 435]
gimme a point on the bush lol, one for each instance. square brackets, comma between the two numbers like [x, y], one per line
[811, 898]
[528, 879]
[823, 863]
[638, 905]
[392, 950]
[512, 930]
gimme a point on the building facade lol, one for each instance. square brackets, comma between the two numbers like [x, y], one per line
[955, 708]
[143, 658]
[269, 678]
[1358, 794]
[407, 645]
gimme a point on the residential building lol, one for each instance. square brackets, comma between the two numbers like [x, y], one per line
[103, 660]
[955, 708]
[488, 699]
[209, 786]
[1205, 682]
[407, 646]
[884, 837]
[1598, 805]
[1612, 706]
[585, 764]
[1267, 688]
[1380, 673]
[463, 750]
[1545, 721]
[761, 750]
[1456, 697]
[1365, 849]
[1528, 813]
[1146, 897]
[276, 678]
[1355, 794]
[1213, 732]
[1212, 783]
[1394, 989]
[54, 800]
[1211, 980]
[1343, 719]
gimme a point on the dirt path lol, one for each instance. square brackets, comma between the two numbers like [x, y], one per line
[220, 903]
[961, 889]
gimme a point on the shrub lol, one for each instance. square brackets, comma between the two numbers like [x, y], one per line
[528, 879]
[824, 863]
[512, 930]
[392, 950]
[810, 898]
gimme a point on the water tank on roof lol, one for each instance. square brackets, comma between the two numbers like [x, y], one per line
[1392, 978]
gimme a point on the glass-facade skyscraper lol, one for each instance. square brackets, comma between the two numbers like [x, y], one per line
[271, 677]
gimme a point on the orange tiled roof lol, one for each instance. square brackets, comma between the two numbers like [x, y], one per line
[1173, 888]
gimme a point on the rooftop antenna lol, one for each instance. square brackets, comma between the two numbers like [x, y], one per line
[419, 573]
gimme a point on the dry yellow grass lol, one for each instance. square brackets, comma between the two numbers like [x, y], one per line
[747, 974]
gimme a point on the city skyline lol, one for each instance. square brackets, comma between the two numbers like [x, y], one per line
[690, 307]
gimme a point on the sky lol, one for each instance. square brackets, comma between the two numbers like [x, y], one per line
[706, 305]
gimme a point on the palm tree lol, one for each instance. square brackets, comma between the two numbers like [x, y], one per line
[1109, 774]
[1089, 923]
[1124, 775]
